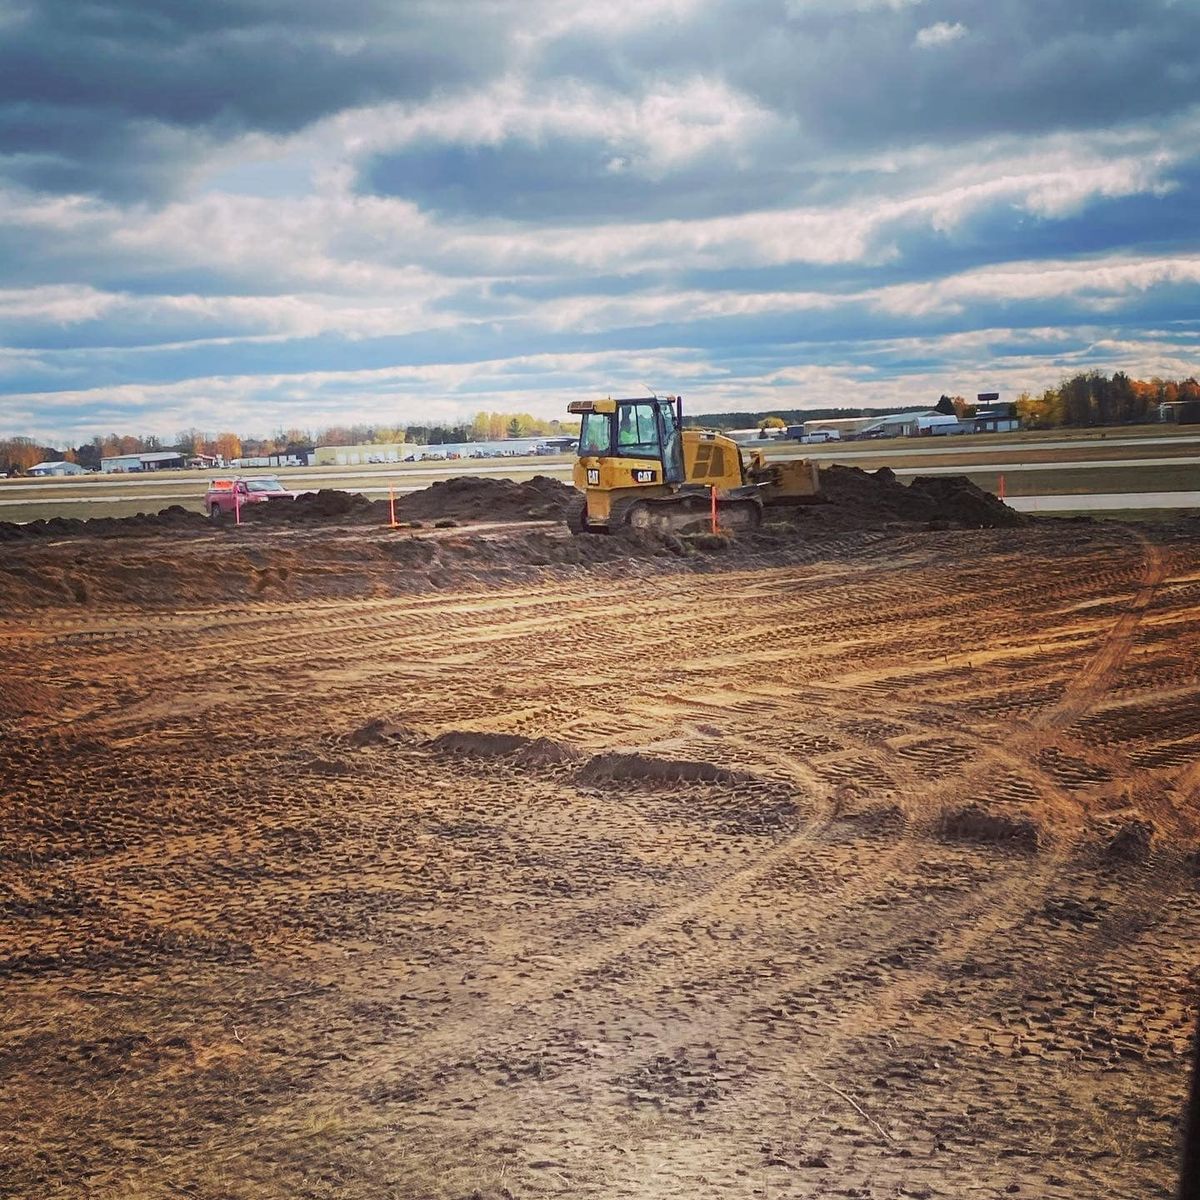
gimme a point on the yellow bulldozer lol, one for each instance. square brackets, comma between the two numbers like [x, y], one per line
[639, 468]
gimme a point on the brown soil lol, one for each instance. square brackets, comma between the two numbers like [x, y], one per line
[311, 882]
[468, 498]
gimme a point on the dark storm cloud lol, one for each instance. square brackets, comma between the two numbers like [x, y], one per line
[569, 179]
[855, 74]
[87, 89]
[834, 82]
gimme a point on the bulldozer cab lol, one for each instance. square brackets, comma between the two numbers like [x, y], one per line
[643, 428]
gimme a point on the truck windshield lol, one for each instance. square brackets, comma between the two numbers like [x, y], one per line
[264, 485]
[596, 435]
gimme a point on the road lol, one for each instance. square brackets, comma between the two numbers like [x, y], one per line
[957, 445]
[1104, 502]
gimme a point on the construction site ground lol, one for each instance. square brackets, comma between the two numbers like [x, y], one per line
[861, 866]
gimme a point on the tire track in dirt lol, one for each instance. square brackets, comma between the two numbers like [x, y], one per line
[716, 941]
[727, 890]
[1116, 645]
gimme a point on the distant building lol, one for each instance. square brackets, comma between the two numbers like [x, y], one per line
[270, 460]
[1180, 412]
[844, 426]
[914, 424]
[392, 452]
[57, 467]
[756, 434]
[1002, 418]
[154, 460]
[353, 456]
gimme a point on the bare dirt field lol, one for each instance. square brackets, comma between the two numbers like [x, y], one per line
[471, 865]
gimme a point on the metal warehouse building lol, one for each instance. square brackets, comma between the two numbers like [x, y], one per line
[353, 456]
[57, 467]
[156, 460]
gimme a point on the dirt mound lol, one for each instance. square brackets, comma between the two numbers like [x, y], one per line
[381, 731]
[614, 767]
[473, 498]
[962, 504]
[1131, 842]
[462, 498]
[524, 751]
[857, 499]
[316, 508]
[173, 518]
[973, 823]
[873, 818]
[542, 752]
[475, 744]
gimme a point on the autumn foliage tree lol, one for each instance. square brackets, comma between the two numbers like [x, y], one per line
[227, 446]
[19, 454]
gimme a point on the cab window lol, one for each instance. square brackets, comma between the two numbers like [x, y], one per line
[637, 431]
[596, 434]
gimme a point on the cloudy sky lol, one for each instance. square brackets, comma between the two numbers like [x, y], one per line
[256, 214]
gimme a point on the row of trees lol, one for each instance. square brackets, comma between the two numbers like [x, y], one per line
[1097, 399]
[483, 427]
[19, 454]
[1090, 398]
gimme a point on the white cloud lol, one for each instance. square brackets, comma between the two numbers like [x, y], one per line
[940, 34]
[56, 304]
[1094, 282]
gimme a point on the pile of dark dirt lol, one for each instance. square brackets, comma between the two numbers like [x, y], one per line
[175, 518]
[645, 768]
[473, 498]
[524, 751]
[973, 823]
[467, 498]
[865, 499]
[476, 744]
[1131, 843]
[381, 731]
[543, 752]
[327, 506]
[963, 505]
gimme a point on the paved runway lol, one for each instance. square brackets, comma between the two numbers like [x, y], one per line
[1101, 502]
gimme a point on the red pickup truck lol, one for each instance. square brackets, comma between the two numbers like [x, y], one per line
[225, 495]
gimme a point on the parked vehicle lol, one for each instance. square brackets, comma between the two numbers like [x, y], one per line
[225, 496]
